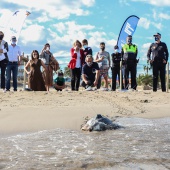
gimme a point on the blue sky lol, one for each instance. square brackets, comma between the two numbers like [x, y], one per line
[61, 22]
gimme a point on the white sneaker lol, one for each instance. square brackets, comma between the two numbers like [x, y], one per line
[105, 89]
[89, 88]
[94, 88]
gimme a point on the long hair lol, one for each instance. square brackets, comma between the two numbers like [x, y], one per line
[34, 51]
[77, 41]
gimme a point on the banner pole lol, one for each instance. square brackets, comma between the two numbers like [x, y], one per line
[167, 77]
[121, 75]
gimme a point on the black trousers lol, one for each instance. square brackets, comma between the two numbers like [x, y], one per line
[90, 83]
[115, 73]
[130, 67]
[3, 64]
[75, 78]
[99, 82]
[159, 67]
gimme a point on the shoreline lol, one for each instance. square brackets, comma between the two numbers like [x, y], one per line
[27, 112]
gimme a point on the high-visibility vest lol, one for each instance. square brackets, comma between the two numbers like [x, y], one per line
[129, 51]
[129, 48]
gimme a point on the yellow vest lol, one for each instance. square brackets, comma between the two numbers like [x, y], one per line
[129, 52]
[129, 48]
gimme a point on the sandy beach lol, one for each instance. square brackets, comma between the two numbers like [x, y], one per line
[24, 111]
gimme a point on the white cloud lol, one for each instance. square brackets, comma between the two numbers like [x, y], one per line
[72, 31]
[164, 16]
[124, 2]
[88, 2]
[144, 22]
[61, 27]
[5, 16]
[58, 9]
[61, 53]
[157, 25]
[146, 45]
[155, 2]
[32, 33]
[43, 18]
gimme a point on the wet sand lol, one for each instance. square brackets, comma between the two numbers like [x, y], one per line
[24, 111]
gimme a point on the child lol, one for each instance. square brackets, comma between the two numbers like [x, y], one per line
[59, 81]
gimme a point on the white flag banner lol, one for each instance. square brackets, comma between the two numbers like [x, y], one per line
[15, 24]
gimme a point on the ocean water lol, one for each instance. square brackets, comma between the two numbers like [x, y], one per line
[143, 144]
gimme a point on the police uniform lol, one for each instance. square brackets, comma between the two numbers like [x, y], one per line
[159, 53]
[129, 55]
[116, 58]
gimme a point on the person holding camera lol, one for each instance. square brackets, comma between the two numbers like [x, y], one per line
[158, 61]
[48, 73]
[129, 54]
[75, 64]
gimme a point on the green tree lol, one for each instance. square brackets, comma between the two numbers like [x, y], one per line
[67, 72]
[144, 79]
[147, 68]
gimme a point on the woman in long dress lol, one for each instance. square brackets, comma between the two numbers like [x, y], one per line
[35, 78]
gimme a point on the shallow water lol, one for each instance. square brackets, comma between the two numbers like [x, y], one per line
[143, 144]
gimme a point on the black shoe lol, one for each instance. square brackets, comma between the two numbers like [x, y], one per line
[15, 89]
[154, 90]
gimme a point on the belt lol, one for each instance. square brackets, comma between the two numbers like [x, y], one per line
[13, 61]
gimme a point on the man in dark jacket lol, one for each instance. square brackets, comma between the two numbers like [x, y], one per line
[115, 58]
[158, 60]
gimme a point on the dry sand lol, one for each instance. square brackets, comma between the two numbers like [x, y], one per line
[24, 111]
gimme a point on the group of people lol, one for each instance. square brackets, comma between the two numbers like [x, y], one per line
[82, 65]
[10, 59]
[92, 69]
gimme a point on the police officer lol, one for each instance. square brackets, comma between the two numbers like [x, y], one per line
[158, 60]
[116, 58]
[129, 55]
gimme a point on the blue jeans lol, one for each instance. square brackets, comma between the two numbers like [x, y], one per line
[12, 68]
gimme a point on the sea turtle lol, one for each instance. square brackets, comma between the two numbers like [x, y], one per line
[99, 123]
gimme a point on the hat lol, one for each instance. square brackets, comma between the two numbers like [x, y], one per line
[13, 37]
[116, 47]
[157, 34]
